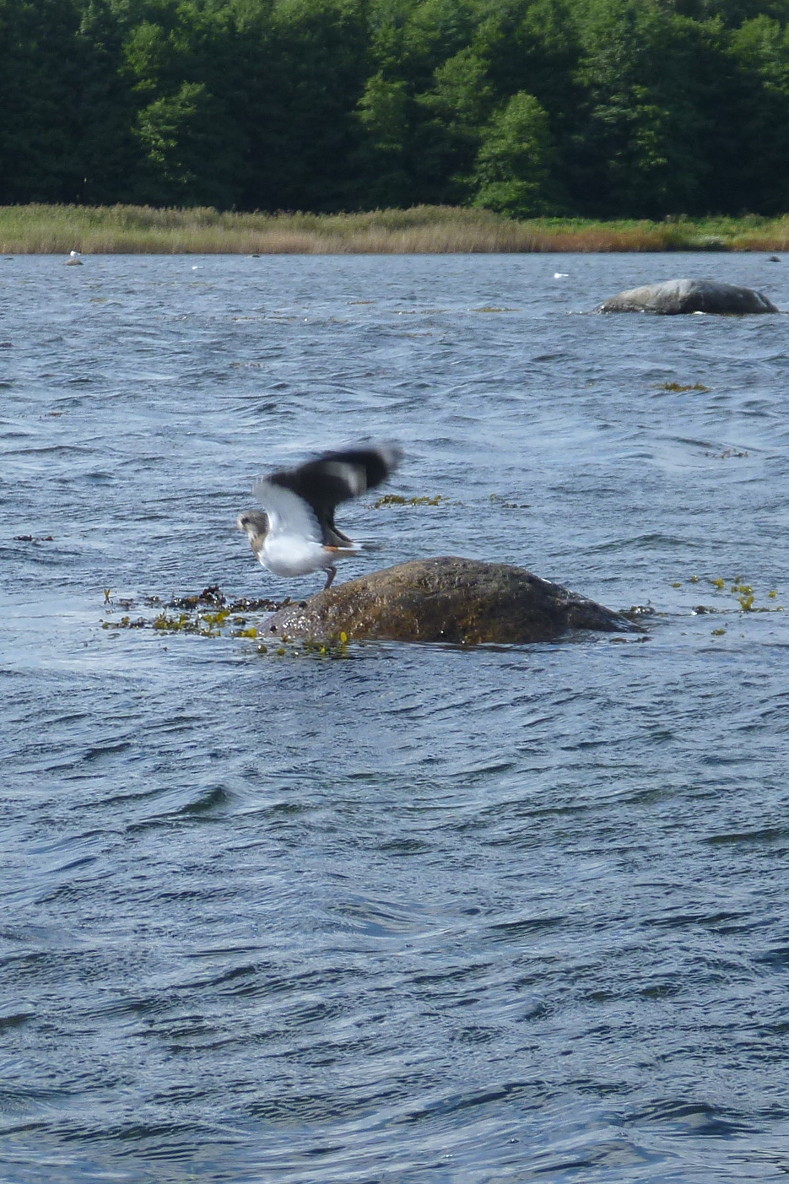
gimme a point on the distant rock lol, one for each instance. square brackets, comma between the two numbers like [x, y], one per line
[683, 296]
[463, 601]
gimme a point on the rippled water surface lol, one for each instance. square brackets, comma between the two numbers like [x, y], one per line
[399, 915]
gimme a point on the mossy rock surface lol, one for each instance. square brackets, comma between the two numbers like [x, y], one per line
[686, 296]
[449, 599]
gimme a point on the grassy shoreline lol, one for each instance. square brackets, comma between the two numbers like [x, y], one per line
[121, 229]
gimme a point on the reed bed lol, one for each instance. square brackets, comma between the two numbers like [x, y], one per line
[124, 229]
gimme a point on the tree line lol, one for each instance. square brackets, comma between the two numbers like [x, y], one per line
[596, 108]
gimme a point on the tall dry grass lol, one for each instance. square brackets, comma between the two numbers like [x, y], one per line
[121, 229]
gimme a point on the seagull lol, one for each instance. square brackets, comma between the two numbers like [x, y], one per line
[296, 534]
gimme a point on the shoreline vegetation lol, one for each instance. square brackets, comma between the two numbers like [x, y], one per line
[127, 229]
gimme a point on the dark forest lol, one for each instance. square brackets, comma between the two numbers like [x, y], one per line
[591, 108]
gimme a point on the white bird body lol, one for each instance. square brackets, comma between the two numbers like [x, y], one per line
[296, 533]
[289, 556]
[292, 544]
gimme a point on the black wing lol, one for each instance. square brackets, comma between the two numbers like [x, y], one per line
[336, 477]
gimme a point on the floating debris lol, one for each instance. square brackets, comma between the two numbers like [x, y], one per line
[743, 592]
[396, 499]
[639, 610]
[497, 498]
[679, 387]
[206, 614]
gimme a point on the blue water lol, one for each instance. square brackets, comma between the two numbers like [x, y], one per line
[406, 914]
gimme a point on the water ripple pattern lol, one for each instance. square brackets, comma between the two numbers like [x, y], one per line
[402, 915]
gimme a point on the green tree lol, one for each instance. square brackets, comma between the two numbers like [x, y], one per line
[639, 142]
[383, 113]
[434, 32]
[533, 47]
[301, 122]
[189, 159]
[39, 87]
[451, 116]
[513, 167]
[180, 65]
[108, 154]
[750, 162]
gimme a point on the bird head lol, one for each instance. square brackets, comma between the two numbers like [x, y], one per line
[255, 523]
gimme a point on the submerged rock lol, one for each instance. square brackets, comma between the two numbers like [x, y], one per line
[464, 601]
[683, 296]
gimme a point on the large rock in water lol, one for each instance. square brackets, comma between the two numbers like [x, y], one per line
[678, 296]
[464, 601]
